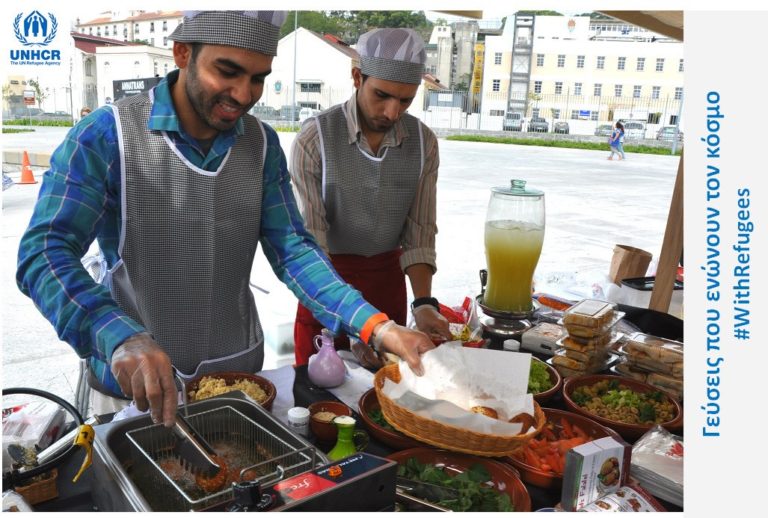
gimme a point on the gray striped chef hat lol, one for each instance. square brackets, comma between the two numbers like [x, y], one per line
[252, 30]
[392, 54]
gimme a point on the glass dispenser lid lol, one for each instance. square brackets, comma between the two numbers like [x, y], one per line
[517, 188]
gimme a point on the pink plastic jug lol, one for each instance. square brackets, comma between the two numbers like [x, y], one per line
[326, 368]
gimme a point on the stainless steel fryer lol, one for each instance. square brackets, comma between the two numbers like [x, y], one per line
[128, 455]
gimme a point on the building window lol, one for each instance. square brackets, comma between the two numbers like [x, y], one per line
[659, 64]
[640, 64]
[535, 113]
[561, 61]
[680, 67]
[555, 113]
[559, 87]
[88, 68]
[497, 113]
[637, 91]
[497, 58]
[598, 89]
[579, 61]
[600, 62]
[574, 114]
[537, 87]
[539, 60]
[617, 90]
[655, 92]
[678, 93]
[577, 89]
[310, 87]
[135, 28]
[98, 31]
[165, 41]
[673, 120]
[155, 69]
[151, 26]
[594, 115]
[106, 30]
[622, 63]
[114, 30]
[90, 31]
[165, 26]
[125, 31]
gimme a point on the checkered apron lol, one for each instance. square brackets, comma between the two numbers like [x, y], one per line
[187, 245]
[367, 198]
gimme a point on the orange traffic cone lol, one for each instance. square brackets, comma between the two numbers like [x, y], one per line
[26, 171]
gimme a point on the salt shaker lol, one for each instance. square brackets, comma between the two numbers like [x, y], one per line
[298, 420]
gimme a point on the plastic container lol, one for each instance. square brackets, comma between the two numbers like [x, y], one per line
[590, 313]
[542, 338]
[511, 345]
[298, 420]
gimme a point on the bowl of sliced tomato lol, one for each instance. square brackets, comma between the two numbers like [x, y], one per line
[542, 461]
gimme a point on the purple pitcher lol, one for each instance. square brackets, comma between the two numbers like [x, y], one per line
[326, 368]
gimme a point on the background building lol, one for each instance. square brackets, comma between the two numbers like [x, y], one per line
[151, 28]
[583, 71]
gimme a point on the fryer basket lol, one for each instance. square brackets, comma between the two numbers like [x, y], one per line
[257, 452]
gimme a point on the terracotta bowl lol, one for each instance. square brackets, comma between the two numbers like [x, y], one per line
[389, 436]
[630, 432]
[557, 383]
[549, 479]
[504, 477]
[231, 377]
[325, 431]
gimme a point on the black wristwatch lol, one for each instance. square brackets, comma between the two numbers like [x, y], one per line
[432, 301]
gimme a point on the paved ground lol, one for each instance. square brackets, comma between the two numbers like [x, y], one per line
[591, 205]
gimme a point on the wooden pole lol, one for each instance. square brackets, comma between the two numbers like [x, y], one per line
[671, 249]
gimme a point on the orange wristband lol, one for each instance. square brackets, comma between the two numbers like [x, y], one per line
[370, 324]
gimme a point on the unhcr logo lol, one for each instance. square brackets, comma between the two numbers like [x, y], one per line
[35, 30]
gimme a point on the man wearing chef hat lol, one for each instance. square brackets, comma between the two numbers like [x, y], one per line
[179, 186]
[365, 174]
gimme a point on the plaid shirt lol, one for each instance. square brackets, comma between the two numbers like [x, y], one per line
[79, 201]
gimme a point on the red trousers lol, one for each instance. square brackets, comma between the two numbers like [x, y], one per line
[382, 283]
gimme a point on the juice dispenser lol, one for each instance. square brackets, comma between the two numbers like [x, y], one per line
[514, 234]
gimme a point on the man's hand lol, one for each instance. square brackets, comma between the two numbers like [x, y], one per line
[430, 321]
[144, 373]
[406, 343]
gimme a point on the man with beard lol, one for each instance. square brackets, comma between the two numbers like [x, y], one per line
[179, 186]
[365, 174]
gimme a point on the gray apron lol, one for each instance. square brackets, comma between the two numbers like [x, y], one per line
[187, 245]
[367, 198]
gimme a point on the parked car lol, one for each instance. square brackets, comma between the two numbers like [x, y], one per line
[538, 125]
[668, 133]
[265, 112]
[561, 127]
[513, 122]
[634, 130]
[604, 130]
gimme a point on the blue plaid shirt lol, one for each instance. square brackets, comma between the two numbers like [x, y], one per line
[79, 201]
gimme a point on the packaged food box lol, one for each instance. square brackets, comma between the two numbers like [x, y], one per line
[542, 338]
[594, 469]
[587, 332]
[581, 343]
[590, 313]
[589, 357]
[626, 499]
[655, 354]
[667, 383]
[624, 368]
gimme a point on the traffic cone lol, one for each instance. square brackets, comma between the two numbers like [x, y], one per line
[26, 171]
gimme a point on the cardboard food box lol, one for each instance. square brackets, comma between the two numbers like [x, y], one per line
[594, 470]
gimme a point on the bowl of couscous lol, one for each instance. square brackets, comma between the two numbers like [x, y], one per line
[628, 406]
[259, 389]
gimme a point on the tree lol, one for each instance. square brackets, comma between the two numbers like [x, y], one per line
[40, 95]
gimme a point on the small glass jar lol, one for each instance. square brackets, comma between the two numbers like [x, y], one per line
[298, 420]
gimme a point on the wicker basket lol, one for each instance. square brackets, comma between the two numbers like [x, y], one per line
[40, 491]
[446, 436]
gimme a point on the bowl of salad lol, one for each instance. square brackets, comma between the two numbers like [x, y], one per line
[544, 381]
[482, 484]
[542, 461]
[628, 406]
